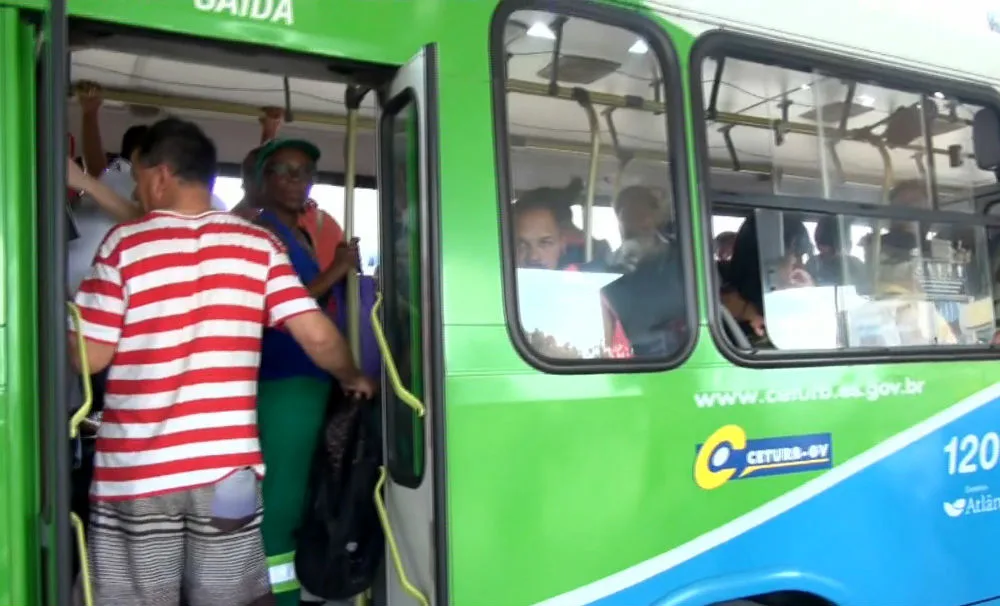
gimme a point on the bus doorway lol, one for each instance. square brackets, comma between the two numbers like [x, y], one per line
[240, 99]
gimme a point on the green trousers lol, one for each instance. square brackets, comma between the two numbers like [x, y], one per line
[290, 415]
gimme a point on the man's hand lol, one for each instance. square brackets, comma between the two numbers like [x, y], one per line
[90, 96]
[347, 256]
[75, 177]
[271, 120]
[360, 387]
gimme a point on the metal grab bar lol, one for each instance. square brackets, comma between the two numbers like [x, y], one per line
[74, 431]
[397, 561]
[390, 365]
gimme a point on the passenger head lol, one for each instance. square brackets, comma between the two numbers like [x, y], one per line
[828, 240]
[286, 171]
[638, 212]
[724, 245]
[248, 173]
[175, 165]
[538, 235]
[744, 268]
[131, 140]
[911, 193]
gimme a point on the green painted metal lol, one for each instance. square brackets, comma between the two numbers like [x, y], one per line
[19, 461]
[553, 481]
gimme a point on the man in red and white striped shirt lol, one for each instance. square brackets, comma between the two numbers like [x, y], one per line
[175, 308]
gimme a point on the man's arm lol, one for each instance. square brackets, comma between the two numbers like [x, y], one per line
[99, 355]
[270, 123]
[320, 338]
[109, 200]
[101, 301]
[289, 304]
[90, 99]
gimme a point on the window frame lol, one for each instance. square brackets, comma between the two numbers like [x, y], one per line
[781, 54]
[404, 475]
[662, 48]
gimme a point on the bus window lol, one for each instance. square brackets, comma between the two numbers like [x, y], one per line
[590, 209]
[853, 205]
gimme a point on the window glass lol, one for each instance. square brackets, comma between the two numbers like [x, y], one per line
[610, 287]
[798, 274]
[813, 134]
[330, 198]
[823, 281]
[401, 283]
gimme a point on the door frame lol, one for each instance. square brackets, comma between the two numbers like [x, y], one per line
[431, 266]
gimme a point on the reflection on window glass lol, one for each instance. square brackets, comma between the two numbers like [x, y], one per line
[610, 286]
[401, 277]
[909, 273]
[821, 135]
[815, 282]
[330, 198]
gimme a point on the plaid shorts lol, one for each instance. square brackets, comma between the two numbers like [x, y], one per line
[146, 552]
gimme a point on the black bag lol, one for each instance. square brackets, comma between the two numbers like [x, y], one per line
[340, 542]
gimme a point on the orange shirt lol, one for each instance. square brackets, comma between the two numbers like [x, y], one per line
[324, 231]
[620, 346]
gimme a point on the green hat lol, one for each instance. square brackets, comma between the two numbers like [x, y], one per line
[273, 146]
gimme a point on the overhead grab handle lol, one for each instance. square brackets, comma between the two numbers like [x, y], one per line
[581, 96]
[624, 156]
[390, 364]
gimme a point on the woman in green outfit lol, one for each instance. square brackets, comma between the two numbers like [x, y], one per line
[293, 392]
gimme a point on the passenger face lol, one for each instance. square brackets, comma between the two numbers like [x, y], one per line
[288, 177]
[156, 187]
[637, 219]
[539, 240]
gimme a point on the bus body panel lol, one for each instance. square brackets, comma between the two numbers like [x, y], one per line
[587, 487]
[20, 529]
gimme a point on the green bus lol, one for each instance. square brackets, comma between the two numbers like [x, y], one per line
[755, 361]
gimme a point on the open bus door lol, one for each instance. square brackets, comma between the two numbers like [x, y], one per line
[53, 363]
[408, 190]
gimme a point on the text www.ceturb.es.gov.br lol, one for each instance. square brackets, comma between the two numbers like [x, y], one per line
[868, 391]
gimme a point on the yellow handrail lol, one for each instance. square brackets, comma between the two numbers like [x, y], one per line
[397, 561]
[88, 391]
[390, 365]
[74, 431]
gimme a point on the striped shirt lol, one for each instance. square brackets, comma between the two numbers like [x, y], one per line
[185, 300]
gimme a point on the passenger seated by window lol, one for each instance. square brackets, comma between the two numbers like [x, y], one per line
[938, 272]
[539, 241]
[560, 201]
[645, 308]
[743, 292]
[724, 246]
[899, 315]
[834, 266]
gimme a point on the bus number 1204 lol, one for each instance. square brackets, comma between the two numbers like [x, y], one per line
[973, 453]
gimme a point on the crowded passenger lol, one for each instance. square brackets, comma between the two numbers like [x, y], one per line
[645, 308]
[723, 246]
[175, 308]
[743, 291]
[286, 170]
[833, 265]
[326, 233]
[560, 201]
[539, 240]
[114, 170]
